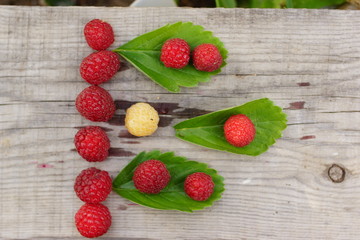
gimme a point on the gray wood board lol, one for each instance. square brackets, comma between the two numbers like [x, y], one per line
[306, 61]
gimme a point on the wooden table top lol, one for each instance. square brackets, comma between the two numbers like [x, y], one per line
[306, 61]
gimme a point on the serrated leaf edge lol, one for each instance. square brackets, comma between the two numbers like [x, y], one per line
[144, 154]
[277, 134]
[176, 89]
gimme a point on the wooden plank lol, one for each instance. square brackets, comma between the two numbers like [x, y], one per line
[306, 61]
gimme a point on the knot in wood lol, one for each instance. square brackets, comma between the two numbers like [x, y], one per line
[336, 173]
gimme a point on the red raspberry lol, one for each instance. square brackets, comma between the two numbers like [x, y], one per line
[207, 57]
[151, 176]
[93, 220]
[93, 185]
[95, 104]
[199, 186]
[92, 144]
[239, 130]
[99, 67]
[175, 53]
[98, 34]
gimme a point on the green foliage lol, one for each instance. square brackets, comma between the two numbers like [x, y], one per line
[316, 4]
[267, 3]
[173, 196]
[207, 130]
[226, 3]
[144, 53]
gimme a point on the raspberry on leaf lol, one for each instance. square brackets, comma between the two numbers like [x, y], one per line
[239, 130]
[199, 186]
[175, 53]
[207, 57]
[151, 176]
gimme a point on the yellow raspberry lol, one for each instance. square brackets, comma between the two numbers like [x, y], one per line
[141, 119]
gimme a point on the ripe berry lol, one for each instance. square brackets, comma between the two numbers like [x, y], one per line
[93, 220]
[93, 185]
[98, 34]
[199, 186]
[239, 130]
[92, 144]
[175, 53]
[141, 119]
[95, 104]
[151, 176]
[99, 67]
[207, 57]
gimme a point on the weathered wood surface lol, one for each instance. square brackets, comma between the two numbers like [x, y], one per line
[306, 61]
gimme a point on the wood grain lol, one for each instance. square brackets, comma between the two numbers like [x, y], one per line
[306, 61]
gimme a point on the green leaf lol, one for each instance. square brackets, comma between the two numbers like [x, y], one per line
[289, 4]
[144, 53]
[226, 3]
[316, 4]
[267, 3]
[173, 196]
[207, 130]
